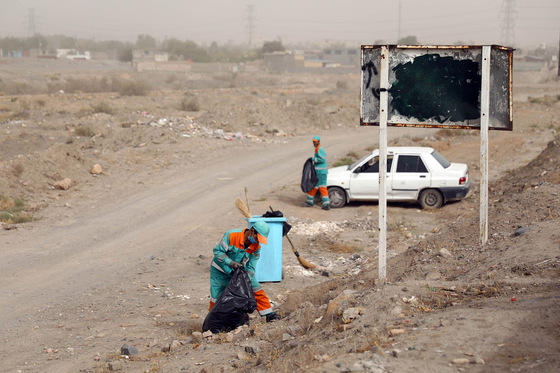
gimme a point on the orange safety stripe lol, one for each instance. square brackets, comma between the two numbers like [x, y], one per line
[237, 239]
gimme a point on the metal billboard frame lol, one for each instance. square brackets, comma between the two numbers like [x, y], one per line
[443, 59]
[493, 105]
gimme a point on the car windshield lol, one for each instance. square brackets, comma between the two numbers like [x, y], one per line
[441, 159]
[353, 165]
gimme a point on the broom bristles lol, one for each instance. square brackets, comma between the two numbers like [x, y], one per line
[305, 264]
[242, 208]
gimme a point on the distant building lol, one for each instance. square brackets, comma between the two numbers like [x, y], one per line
[73, 54]
[11, 53]
[344, 57]
[149, 55]
[307, 60]
[533, 63]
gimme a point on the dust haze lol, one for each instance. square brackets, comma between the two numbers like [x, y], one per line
[531, 23]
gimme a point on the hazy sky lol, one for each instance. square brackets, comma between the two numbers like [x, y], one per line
[357, 21]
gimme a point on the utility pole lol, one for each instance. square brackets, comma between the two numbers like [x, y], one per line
[31, 22]
[508, 22]
[251, 23]
[399, 30]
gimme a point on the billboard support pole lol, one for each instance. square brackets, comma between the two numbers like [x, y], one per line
[383, 108]
[484, 120]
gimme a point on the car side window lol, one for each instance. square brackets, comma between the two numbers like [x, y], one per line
[372, 166]
[410, 163]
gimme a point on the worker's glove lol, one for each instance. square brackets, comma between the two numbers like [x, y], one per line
[235, 265]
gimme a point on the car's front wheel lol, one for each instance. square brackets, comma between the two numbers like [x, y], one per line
[431, 199]
[337, 196]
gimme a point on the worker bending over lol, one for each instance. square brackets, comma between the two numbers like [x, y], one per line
[240, 248]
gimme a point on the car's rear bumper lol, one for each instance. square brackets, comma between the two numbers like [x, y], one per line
[453, 193]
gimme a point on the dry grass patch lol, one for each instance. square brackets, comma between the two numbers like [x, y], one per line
[189, 104]
[340, 84]
[102, 107]
[84, 131]
[545, 100]
[401, 226]
[318, 295]
[182, 328]
[131, 88]
[344, 247]
[12, 211]
[440, 297]
[17, 169]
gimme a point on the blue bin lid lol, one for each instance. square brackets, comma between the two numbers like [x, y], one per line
[267, 220]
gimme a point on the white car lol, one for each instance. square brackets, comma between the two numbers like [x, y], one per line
[413, 174]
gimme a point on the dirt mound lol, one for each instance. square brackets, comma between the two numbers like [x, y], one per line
[520, 258]
[524, 208]
[543, 169]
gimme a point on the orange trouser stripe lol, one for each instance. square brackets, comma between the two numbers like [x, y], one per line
[262, 301]
[323, 190]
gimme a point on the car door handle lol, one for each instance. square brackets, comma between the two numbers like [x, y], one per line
[422, 176]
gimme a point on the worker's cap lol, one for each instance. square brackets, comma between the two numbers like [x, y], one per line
[316, 138]
[262, 229]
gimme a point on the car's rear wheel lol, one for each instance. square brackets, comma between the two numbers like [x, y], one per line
[337, 196]
[431, 199]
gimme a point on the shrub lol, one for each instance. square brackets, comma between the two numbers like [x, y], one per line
[130, 88]
[189, 105]
[17, 169]
[340, 84]
[84, 131]
[102, 107]
[12, 211]
[171, 78]
[313, 101]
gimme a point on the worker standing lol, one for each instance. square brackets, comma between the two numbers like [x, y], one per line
[240, 248]
[320, 163]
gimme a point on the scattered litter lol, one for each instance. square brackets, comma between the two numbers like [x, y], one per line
[520, 230]
[411, 300]
[311, 229]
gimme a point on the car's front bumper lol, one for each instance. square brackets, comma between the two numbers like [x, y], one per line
[452, 193]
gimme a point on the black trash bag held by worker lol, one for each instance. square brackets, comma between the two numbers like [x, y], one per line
[233, 306]
[309, 176]
[278, 214]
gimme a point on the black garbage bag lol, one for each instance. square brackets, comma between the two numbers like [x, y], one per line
[308, 176]
[278, 214]
[233, 306]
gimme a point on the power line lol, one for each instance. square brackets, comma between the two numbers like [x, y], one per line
[508, 22]
[251, 23]
[31, 22]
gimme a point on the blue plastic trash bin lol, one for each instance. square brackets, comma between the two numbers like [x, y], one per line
[269, 266]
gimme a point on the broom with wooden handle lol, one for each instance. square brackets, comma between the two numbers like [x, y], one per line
[242, 208]
[304, 263]
[247, 200]
[245, 212]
